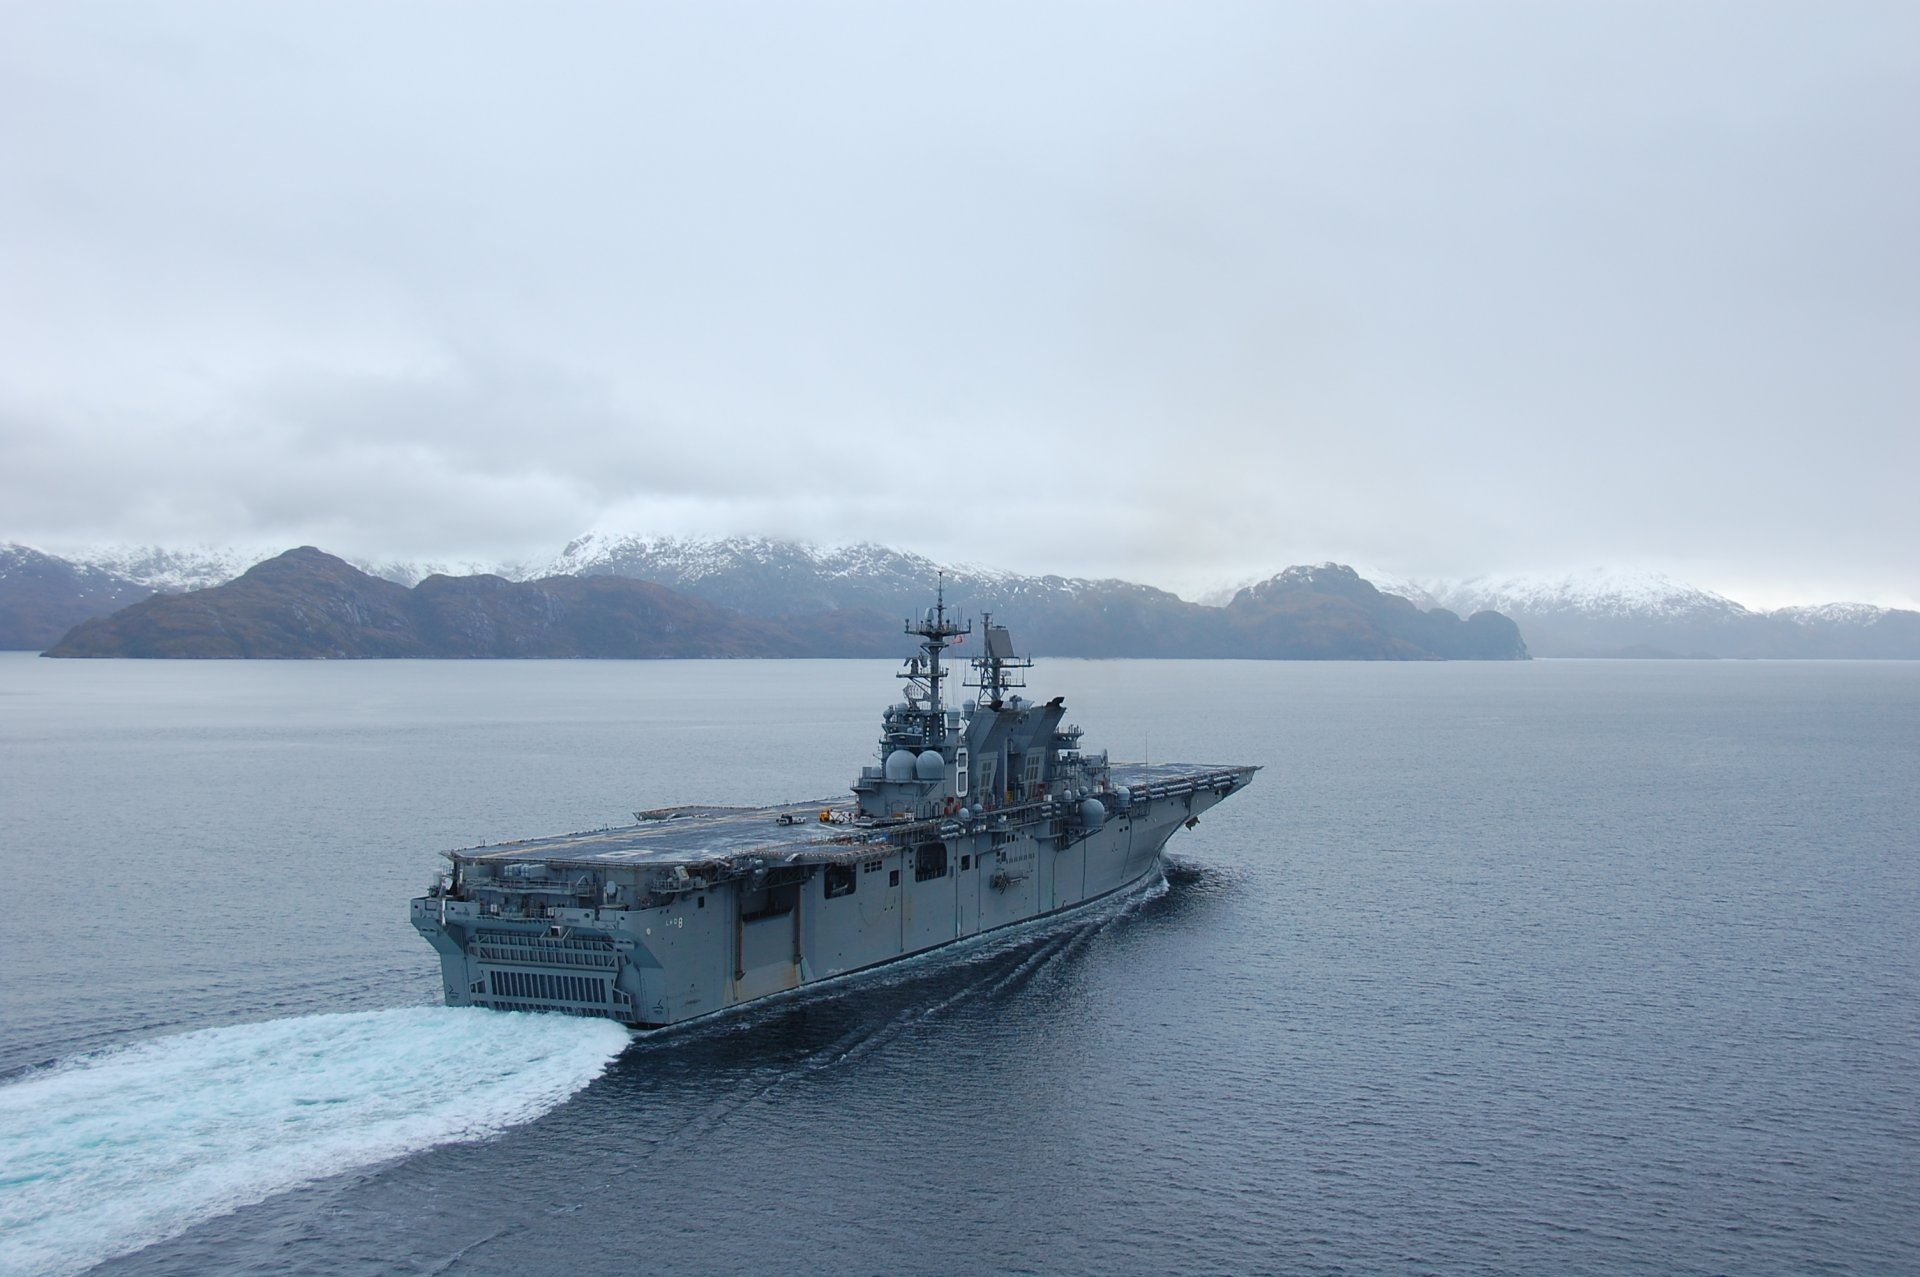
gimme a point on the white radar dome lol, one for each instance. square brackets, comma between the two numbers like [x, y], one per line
[930, 766]
[900, 765]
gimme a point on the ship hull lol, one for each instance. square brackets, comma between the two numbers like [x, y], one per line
[701, 951]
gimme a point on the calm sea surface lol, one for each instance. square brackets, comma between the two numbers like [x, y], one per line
[1558, 967]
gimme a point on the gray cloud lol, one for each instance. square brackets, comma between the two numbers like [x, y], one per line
[1181, 293]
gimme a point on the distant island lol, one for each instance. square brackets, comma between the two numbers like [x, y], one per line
[307, 604]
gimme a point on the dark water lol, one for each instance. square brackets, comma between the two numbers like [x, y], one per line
[1560, 967]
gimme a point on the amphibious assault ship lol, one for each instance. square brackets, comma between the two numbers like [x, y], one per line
[974, 817]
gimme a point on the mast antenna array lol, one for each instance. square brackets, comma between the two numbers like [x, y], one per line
[998, 669]
[923, 673]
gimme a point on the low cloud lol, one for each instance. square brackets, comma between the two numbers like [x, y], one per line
[1182, 296]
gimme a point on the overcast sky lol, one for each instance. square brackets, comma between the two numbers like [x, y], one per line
[1182, 293]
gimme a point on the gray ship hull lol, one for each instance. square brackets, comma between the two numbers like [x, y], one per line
[974, 817]
[701, 910]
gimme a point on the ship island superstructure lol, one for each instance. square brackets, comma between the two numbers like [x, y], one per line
[974, 817]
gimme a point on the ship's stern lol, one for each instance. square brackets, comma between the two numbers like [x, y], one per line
[448, 936]
[566, 961]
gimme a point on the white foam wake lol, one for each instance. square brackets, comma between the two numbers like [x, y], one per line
[110, 1152]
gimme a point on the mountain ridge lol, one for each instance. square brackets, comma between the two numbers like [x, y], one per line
[1596, 612]
[310, 604]
[43, 596]
[1603, 612]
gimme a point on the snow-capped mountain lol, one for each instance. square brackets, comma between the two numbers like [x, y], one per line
[1626, 612]
[176, 570]
[1597, 592]
[1415, 592]
[1598, 612]
[307, 603]
[171, 570]
[756, 574]
[410, 572]
[766, 577]
[1601, 612]
[42, 596]
[1841, 615]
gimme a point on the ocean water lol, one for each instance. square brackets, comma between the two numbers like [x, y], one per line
[1569, 967]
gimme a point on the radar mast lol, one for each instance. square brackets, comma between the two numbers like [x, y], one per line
[998, 669]
[923, 674]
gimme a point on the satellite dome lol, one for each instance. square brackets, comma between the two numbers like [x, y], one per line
[1092, 814]
[929, 766]
[900, 765]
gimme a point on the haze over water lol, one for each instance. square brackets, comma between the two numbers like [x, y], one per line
[1543, 967]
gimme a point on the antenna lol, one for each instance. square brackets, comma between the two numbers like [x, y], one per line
[923, 673]
[998, 668]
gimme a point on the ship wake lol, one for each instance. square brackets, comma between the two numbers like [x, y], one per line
[106, 1153]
